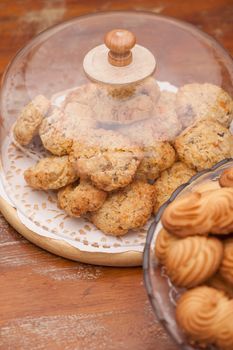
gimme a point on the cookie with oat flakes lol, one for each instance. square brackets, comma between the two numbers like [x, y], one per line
[156, 158]
[63, 126]
[51, 173]
[78, 199]
[125, 209]
[163, 125]
[118, 105]
[204, 101]
[27, 125]
[204, 144]
[107, 158]
[169, 180]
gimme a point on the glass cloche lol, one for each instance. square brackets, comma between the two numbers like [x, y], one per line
[104, 116]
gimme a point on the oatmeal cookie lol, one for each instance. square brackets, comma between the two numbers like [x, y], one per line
[138, 105]
[156, 158]
[108, 159]
[27, 125]
[51, 173]
[169, 180]
[52, 135]
[163, 125]
[62, 127]
[128, 208]
[84, 94]
[204, 144]
[165, 118]
[204, 101]
[78, 199]
[121, 105]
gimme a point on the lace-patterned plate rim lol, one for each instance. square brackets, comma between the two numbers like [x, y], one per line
[121, 255]
[151, 268]
[40, 208]
[64, 249]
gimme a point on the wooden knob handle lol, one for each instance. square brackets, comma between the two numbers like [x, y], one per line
[120, 42]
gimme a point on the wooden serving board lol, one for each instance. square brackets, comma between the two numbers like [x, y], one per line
[63, 249]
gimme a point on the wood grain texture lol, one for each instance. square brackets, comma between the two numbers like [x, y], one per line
[63, 249]
[47, 302]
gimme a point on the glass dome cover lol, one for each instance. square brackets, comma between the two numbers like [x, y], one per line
[106, 111]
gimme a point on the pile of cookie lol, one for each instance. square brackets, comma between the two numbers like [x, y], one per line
[195, 246]
[115, 154]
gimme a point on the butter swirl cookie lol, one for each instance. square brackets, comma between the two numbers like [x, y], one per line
[51, 173]
[226, 269]
[78, 199]
[205, 186]
[226, 178]
[223, 324]
[193, 260]
[32, 115]
[218, 282]
[163, 243]
[200, 213]
[196, 311]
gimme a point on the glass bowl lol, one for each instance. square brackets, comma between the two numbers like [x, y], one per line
[161, 292]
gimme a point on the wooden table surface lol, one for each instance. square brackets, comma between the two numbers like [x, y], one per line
[47, 302]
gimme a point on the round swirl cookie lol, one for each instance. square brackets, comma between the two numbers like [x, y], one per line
[226, 178]
[200, 213]
[204, 144]
[51, 173]
[195, 313]
[223, 324]
[226, 268]
[193, 260]
[27, 124]
[218, 282]
[163, 242]
[208, 185]
[78, 199]
[206, 316]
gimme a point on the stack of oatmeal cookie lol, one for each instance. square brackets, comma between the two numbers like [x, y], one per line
[117, 153]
